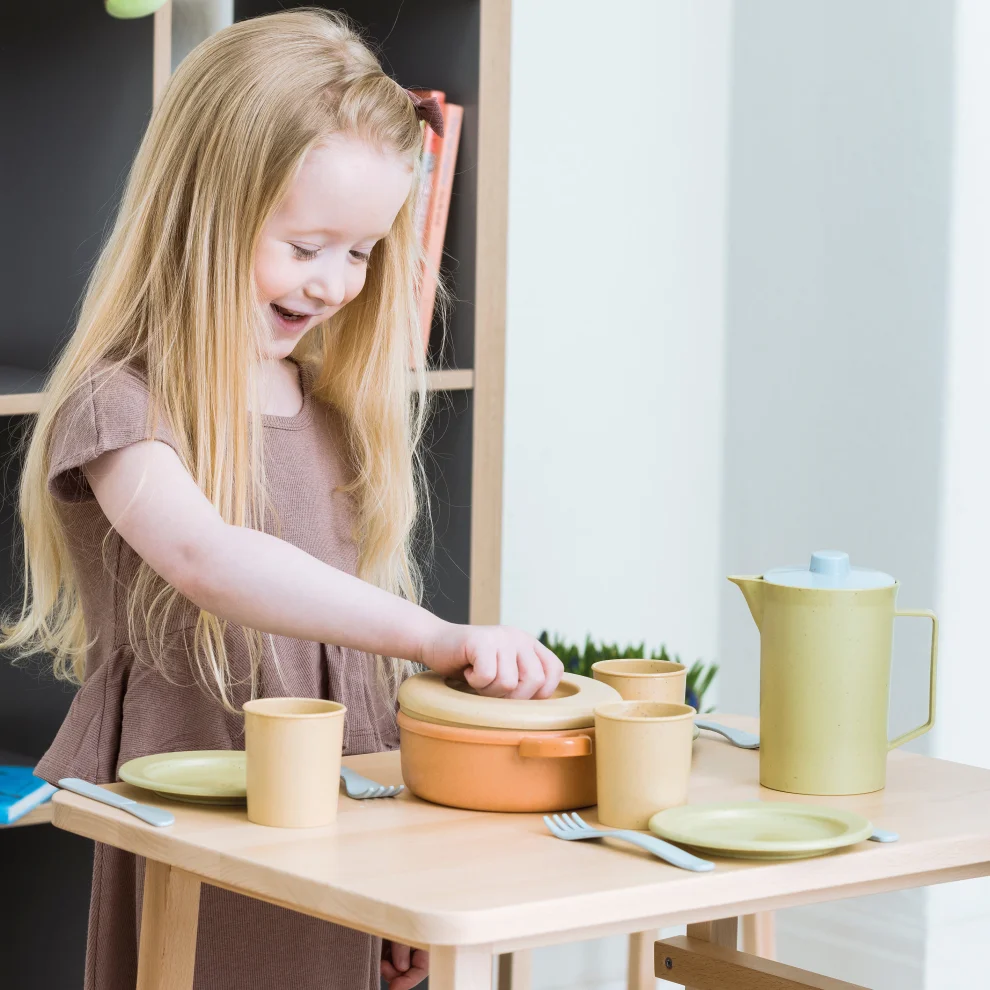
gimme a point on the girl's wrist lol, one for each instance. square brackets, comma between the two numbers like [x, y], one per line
[431, 631]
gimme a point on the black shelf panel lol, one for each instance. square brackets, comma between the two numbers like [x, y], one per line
[20, 381]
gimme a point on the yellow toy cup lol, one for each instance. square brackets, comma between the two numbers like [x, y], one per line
[644, 680]
[643, 760]
[294, 747]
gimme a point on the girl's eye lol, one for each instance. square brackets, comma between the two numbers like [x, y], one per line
[304, 254]
[361, 256]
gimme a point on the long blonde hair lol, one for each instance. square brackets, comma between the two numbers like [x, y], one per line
[173, 292]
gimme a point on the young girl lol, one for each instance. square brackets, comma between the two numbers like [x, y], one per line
[219, 495]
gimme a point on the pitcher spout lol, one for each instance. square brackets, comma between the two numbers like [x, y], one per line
[752, 589]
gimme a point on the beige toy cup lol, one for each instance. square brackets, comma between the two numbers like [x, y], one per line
[293, 760]
[644, 680]
[643, 754]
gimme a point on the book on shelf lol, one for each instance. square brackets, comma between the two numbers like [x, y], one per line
[20, 791]
[440, 158]
[429, 155]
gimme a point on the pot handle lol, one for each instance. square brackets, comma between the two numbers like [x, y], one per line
[922, 729]
[554, 746]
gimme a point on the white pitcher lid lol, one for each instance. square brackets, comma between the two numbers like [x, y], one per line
[829, 569]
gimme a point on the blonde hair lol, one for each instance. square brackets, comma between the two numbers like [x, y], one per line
[173, 292]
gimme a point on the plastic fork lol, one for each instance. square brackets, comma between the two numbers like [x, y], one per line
[360, 788]
[572, 826]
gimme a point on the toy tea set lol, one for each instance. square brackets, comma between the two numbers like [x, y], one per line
[622, 739]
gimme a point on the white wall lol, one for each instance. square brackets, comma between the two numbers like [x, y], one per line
[839, 204]
[613, 395]
[959, 914]
[848, 405]
[615, 327]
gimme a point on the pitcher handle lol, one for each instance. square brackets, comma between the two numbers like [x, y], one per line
[922, 729]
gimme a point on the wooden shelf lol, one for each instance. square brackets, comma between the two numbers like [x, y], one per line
[17, 400]
[19, 390]
[450, 380]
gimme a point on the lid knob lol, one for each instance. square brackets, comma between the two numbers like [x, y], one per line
[830, 563]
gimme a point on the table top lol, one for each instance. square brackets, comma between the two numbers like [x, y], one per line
[429, 875]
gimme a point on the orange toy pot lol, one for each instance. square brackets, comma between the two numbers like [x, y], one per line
[495, 754]
[498, 769]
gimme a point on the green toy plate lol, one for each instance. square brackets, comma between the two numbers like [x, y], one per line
[761, 829]
[208, 776]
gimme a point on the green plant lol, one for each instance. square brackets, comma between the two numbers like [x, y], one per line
[578, 660]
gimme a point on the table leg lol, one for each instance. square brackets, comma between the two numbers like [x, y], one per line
[169, 919]
[515, 970]
[724, 932]
[640, 975]
[758, 935]
[460, 967]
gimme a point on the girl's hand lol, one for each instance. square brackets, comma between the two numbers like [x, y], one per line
[402, 966]
[495, 660]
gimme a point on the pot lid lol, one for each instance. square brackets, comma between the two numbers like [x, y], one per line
[432, 698]
[831, 570]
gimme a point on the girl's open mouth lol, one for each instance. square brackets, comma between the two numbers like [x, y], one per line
[287, 318]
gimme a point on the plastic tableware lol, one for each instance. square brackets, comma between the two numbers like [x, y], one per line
[738, 737]
[644, 680]
[761, 829]
[220, 777]
[293, 747]
[153, 816]
[643, 752]
[573, 827]
[822, 628]
[208, 776]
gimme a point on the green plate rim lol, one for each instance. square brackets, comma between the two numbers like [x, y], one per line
[132, 773]
[859, 828]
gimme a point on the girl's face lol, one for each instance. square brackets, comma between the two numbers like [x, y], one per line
[312, 256]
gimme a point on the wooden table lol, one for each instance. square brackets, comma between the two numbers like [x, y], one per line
[470, 886]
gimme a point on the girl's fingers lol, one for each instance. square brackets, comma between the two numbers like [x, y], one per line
[508, 672]
[400, 956]
[483, 669]
[552, 667]
[418, 971]
[530, 672]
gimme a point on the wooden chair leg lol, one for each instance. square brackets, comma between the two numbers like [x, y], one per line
[515, 971]
[640, 973]
[169, 920]
[759, 936]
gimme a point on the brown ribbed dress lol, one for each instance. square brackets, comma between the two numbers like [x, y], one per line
[126, 708]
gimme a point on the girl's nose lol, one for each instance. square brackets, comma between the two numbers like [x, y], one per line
[329, 286]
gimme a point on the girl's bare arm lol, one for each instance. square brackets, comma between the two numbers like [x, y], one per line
[260, 581]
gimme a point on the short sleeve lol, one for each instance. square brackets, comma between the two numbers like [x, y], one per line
[108, 411]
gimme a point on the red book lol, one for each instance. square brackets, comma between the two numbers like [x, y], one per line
[436, 225]
[432, 145]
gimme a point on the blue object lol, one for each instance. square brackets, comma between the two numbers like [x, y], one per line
[153, 816]
[829, 570]
[20, 791]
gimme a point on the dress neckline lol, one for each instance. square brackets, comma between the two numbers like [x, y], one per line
[305, 414]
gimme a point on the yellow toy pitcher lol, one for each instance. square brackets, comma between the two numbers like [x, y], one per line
[825, 654]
